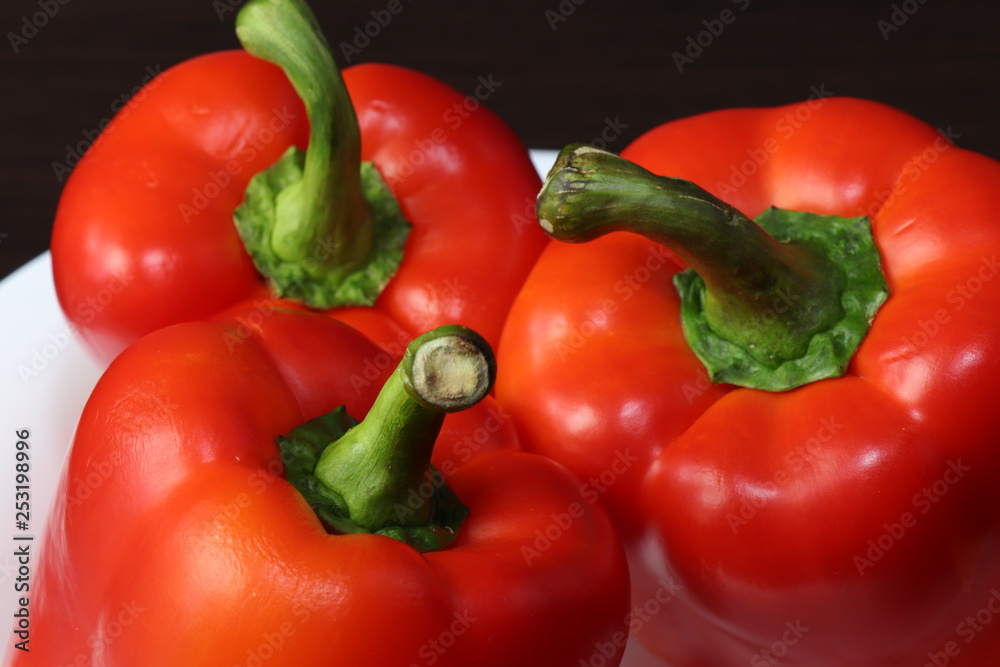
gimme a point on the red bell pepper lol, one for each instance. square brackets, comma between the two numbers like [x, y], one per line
[144, 234]
[215, 512]
[815, 444]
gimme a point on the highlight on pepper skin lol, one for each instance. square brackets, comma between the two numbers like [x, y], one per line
[266, 501]
[838, 492]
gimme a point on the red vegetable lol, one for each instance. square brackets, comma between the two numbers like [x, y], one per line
[145, 237]
[851, 520]
[177, 537]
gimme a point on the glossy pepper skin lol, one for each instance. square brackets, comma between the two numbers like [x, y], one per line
[175, 539]
[144, 233]
[851, 521]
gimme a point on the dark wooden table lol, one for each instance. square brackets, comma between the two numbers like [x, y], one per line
[568, 70]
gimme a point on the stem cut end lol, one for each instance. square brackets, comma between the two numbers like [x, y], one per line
[451, 368]
[376, 476]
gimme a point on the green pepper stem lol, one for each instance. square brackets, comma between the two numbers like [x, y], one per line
[760, 311]
[326, 209]
[747, 272]
[377, 466]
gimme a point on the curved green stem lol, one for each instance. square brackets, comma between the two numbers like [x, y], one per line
[312, 222]
[758, 310]
[376, 477]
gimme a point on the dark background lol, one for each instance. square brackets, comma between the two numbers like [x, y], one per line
[568, 69]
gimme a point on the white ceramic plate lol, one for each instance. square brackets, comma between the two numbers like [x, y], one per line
[46, 379]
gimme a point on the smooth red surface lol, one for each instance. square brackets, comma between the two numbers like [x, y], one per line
[176, 540]
[854, 521]
[144, 235]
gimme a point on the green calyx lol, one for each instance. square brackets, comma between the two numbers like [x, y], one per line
[772, 303]
[375, 476]
[320, 225]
